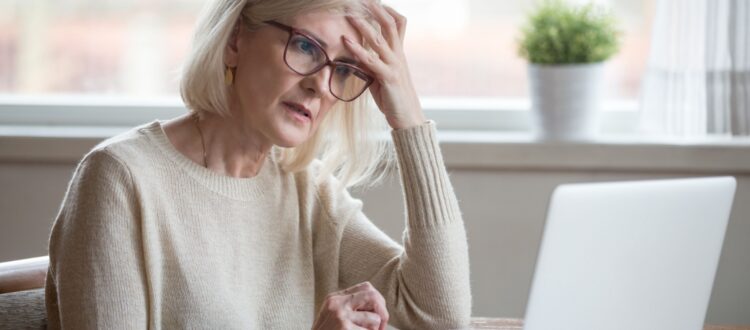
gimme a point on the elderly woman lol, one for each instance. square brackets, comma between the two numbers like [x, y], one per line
[236, 215]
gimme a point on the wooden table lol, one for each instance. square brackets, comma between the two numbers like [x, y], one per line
[478, 323]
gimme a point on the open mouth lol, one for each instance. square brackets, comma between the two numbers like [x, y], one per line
[299, 109]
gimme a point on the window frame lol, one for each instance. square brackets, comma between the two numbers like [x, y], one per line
[455, 114]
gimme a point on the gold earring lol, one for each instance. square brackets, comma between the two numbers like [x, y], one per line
[228, 76]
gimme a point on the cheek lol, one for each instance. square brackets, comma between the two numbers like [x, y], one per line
[264, 74]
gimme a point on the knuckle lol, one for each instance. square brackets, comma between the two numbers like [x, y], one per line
[330, 308]
[371, 60]
[330, 297]
[331, 305]
[340, 314]
[372, 33]
[375, 297]
[400, 20]
[390, 19]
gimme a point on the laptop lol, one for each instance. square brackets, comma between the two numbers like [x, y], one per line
[630, 255]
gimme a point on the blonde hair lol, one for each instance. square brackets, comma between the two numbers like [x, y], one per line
[349, 141]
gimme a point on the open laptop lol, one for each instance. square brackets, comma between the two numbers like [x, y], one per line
[630, 255]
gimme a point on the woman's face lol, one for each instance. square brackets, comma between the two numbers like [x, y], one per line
[267, 95]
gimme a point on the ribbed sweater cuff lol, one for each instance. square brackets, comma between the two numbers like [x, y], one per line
[430, 199]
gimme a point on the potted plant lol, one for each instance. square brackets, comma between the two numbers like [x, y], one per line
[566, 47]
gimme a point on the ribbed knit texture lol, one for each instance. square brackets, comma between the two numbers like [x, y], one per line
[146, 238]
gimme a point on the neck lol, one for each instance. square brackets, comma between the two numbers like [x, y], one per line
[231, 149]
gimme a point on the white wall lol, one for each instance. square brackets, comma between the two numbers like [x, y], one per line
[504, 206]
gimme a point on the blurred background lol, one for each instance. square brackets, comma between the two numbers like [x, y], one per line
[456, 48]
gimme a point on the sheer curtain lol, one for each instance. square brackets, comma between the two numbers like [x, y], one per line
[698, 77]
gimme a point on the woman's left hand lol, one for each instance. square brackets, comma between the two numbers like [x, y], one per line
[392, 89]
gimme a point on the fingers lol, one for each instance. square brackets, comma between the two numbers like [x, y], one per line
[400, 22]
[387, 44]
[368, 301]
[387, 22]
[364, 286]
[367, 298]
[369, 60]
[367, 320]
[373, 38]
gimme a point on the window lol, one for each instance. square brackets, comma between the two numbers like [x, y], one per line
[460, 51]
[467, 48]
[129, 48]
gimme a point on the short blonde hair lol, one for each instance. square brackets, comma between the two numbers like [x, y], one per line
[350, 140]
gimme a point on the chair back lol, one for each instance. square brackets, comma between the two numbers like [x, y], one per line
[22, 303]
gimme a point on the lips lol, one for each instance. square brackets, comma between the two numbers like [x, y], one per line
[300, 109]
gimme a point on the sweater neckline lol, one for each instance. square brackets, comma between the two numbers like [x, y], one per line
[236, 188]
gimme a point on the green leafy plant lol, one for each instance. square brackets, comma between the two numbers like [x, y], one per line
[558, 33]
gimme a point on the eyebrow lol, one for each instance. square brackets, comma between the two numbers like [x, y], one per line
[348, 60]
[312, 35]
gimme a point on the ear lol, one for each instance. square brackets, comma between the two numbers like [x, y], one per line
[231, 51]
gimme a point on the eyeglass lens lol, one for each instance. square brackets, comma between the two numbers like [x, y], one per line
[305, 57]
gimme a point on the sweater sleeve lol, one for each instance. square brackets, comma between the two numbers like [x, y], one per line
[96, 278]
[426, 283]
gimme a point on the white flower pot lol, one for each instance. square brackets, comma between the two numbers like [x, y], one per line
[565, 100]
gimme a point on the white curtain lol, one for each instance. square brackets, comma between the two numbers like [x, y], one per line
[698, 77]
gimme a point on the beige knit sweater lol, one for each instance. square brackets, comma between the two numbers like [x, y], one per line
[146, 238]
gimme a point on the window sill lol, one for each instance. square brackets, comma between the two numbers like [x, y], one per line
[461, 150]
[622, 153]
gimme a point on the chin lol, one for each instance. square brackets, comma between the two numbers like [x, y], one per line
[291, 140]
[290, 135]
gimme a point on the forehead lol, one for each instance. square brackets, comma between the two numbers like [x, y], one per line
[328, 27]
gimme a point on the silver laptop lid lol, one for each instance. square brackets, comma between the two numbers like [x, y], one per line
[630, 255]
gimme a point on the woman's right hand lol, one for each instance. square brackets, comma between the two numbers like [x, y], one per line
[358, 307]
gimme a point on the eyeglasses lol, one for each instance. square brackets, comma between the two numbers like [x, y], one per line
[305, 56]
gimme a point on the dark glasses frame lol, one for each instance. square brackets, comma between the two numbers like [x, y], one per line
[328, 62]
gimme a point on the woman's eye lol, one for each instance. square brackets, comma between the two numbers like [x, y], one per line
[343, 71]
[305, 46]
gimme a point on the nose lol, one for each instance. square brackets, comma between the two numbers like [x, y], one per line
[317, 83]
